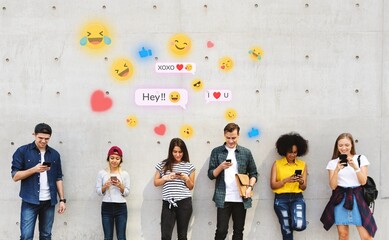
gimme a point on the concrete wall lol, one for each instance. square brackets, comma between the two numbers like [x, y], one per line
[324, 70]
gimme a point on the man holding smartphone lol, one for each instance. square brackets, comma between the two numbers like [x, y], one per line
[226, 161]
[38, 167]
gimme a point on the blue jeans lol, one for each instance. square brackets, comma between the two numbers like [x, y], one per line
[290, 210]
[114, 214]
[171, 214]
[28, 216]
[238, 213]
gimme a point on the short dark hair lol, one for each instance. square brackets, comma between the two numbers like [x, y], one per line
[286, 142]
[42, 128]
[231, 127]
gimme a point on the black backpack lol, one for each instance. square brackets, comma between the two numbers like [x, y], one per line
[370, 192]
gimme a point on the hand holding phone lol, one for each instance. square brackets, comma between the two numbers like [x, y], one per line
[114, 179]
[47, 164]
[178, 174]
[228, 160]
[298, 172]
[343, 160]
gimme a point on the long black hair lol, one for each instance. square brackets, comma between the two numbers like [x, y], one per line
[175, 142]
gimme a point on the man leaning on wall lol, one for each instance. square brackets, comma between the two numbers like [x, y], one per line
[38, 167]
[226, 161]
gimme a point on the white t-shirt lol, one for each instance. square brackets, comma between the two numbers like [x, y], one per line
[232, 191]
[347, 177]
[44, 189]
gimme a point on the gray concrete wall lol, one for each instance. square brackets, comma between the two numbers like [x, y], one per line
[324, 71]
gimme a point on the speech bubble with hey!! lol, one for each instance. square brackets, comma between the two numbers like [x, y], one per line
[175, 67]
[161, 97]
[218, 96]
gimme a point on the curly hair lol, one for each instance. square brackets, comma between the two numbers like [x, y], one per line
[286, 142]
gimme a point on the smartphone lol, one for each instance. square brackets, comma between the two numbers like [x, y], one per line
[178, 173]
[343, 159]
[228, 160]
[298, 172]
[48, 164]
[114, 179]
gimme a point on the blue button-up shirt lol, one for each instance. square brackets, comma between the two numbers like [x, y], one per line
[29, 156]
[246, 165]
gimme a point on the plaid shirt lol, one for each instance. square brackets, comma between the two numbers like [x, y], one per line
[328, 218]
[246, 165]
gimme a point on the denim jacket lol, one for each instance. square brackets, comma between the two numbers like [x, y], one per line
[246, 165]
[28, 156]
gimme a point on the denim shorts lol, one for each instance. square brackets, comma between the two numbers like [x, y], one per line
[347, 217]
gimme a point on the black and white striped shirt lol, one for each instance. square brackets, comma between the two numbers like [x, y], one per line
[176, 189]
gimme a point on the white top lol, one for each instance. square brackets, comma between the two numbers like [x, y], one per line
[232, 191]
[44, 189]
[113, 194]
[347, 177]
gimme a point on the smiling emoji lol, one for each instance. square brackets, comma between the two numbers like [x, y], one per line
[186, 131]
[226, 64]
[95, 36]
[197, 84]
[180, 45]
[174, 97]
[256, 53]
[122, 69]
[230, 114]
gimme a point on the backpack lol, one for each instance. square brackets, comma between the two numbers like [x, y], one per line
[370, 192]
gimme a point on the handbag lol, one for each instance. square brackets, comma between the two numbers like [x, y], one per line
[370, 191]
[243, 182]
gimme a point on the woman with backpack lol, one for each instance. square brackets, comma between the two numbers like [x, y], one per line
[346, 178]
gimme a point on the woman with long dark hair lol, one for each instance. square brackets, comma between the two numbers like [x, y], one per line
[176, 176]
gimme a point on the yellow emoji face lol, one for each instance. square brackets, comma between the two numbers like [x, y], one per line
[230, 114]
[197, 84]
[132, 121]
[95, 36]
[256, 53]
[174, 97]
[180, 45]
[122, 69]
[186, 131]
[188, 67]
[226, 64]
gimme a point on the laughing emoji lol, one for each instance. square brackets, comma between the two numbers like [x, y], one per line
[95, 36]
[256, 53]
[122, 69]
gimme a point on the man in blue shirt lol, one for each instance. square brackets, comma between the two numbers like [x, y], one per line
[38, 167]
[226, 161]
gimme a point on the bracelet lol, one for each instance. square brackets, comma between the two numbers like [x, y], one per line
[358, 170]
[252, 187]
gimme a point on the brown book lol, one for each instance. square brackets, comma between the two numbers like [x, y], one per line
[243, 181]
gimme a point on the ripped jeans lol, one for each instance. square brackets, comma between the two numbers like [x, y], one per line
[290, 210]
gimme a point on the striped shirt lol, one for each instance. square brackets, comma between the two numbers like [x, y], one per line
[176, 189]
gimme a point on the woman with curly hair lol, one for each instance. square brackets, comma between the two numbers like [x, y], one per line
[288, 181]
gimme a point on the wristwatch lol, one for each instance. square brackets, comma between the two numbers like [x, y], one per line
[63, 200]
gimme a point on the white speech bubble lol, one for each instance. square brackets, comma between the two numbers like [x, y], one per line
[175, 67]
[161, 97]
[218, 95]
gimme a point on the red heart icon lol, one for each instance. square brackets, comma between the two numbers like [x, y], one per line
[216, 95]
[210, 44]
[100, 102]
[160, 130]
[179, 66]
